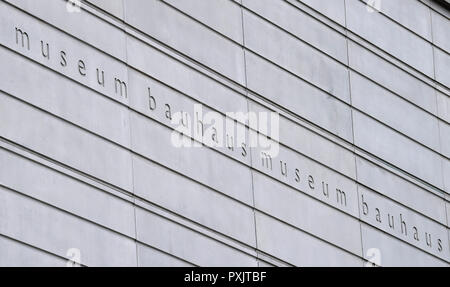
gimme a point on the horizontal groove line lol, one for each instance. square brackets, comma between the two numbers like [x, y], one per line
[34, 247]
[435, 9]
[205, 235]
[392, 19]
[256, 93]
[351, 107]
[102, 226]
[345, 28]
[297, 228]
[166, 126]
[307, 43]
[171, 220]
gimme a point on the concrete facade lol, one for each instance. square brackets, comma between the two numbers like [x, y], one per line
[90, 174]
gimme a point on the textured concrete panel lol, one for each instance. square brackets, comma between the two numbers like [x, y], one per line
[400, 190]
[162, 103]
[297, 57]
[441, 26]
[64, 98]
[303, 212]
[403, 223]
[442, 67]
[353, 169]
[394, 111]
[55, 231]
[446, 172]
[66, 193]
[298, 96]
[65, 54]
[443, 102]
[17, 254]
[194, 201]
[391, 77]
[312, 144]
[308, 177]
[205, 165]
[333, 9]
[297, 247]
[393, 252]
[397, 149]
[183, 78]
[105, 36]
[223, 16]
[164, 23]
[165, 235]
[301, 25]
[390, 37]
[444, 130]
[150, 257]
[447, 204]
[114, 7]
[63, 142]
[409, 13]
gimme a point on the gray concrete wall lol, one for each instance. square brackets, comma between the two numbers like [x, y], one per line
[88, 166]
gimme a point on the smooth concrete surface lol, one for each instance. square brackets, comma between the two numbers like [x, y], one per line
[90, 171]
[411, 14]
[440, 31]
[389, 36]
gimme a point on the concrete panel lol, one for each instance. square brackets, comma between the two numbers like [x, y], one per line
[55, 231]
[443, 103]
[264, 264]
[444, 129]
[393, 252]
[199, 163]
[150, 257]
[400, 190]
[298, 96]
[312, 144]
[183, 78]
[391, 77]
[105, 36]
[394, 111]
[308, 177]
[441, 26]
[297, 57]
[333, 9]
[65, 54]
[141, 56]
[64, 97]
[63, 142]
[53, 188]
[154, 100]
[113, 7]
[436, 6]
[446, 172]
[410, 13]
[304, 212]
[223, 16]
[297, 247]
[162, 22]
[447, 204]
[16, 254]
[194, 201]
[397, 149]
[301, 25]
[442, 67]
[390, 37]
[93, 164]
[187, 244]
[403, 223]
